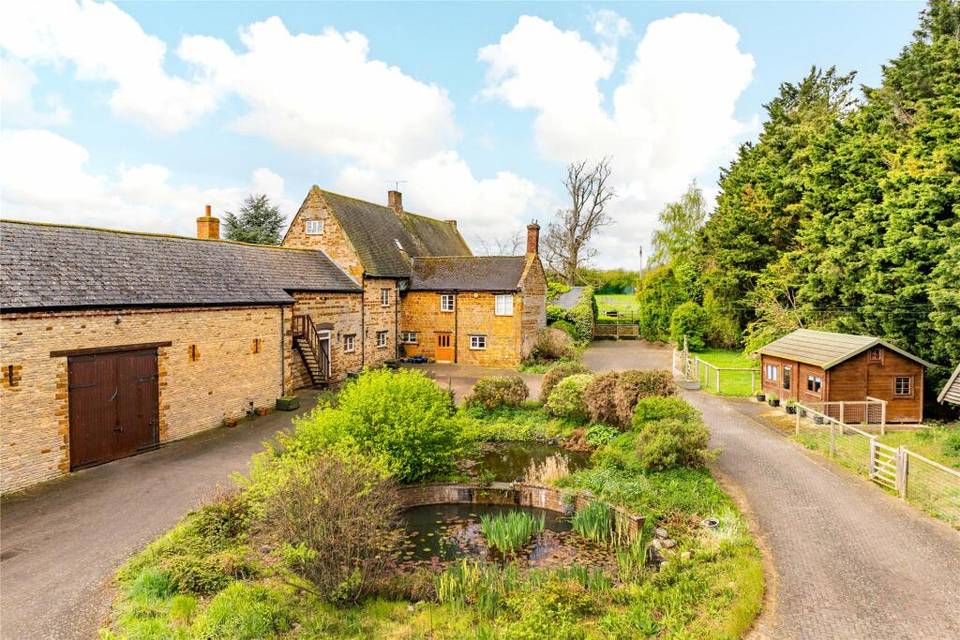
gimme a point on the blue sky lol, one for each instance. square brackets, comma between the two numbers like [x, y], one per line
[135, 115]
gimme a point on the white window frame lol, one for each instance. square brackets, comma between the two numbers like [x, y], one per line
[816, 382]
[772, 372]
[909, 393]
[478, 342]
[350, 343]
[384, 297]
[316, 225]
[503, 304]
[409, 337]
[382, 339]
[447, 297]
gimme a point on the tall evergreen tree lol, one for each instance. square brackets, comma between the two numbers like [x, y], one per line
[259, 221]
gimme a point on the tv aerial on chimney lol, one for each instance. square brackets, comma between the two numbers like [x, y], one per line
[397, 183]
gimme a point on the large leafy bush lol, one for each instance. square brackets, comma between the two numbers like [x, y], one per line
[600, 398]
[556, 373]
[668, 443]
[690, 320]
[566, 400]
[583, 313]
[659, 408]
[401, 420]
[498, 391]
[633, 385]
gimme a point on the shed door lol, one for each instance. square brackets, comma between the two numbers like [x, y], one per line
[113, 405]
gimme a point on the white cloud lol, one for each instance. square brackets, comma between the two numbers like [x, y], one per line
[44, 177]
[672, 116]
[106, 44]
[16, 93]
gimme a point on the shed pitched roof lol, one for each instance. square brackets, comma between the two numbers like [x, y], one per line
[467, 273]
[47, 266]
[951, 391]
[375, 231]
[825, 349]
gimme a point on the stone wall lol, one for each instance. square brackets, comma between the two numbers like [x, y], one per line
[343, 311]
[333, 241]
[521, 495]
[379, 318]
[533, 288]
[230, 374]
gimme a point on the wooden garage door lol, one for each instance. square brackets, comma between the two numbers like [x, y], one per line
[113, 405]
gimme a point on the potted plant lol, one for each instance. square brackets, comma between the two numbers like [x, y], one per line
[818, 419]
[773, 400]
[760, 396]
[790, 406]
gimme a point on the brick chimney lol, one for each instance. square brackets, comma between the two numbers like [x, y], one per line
[533, 238]
[208, 227]
[395, 201]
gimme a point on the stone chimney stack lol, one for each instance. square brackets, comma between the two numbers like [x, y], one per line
[533, 238]
[208, 227]
[395, 201]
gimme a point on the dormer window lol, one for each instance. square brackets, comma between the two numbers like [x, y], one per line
[314, 227]
[399, 246]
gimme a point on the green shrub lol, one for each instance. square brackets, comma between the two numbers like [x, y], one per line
[600, 434]
[600, 398]
[690, 320]
[511, 531]
[951, 444]
[659, 407]
[658, 294]
[243, 611]
[552, 344]
[594, 522]
[334, 523]
[567, 327]
[555, 374]
[554, 289]
[400, 420]
[668, 443]
[566, 399]
[583, 313]
[619, 453]
[633, 385]
[498, 391]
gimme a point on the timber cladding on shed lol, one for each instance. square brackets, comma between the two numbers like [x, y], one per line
[820, 366]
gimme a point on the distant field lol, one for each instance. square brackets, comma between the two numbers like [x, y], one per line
[623, 303]
[732, 383]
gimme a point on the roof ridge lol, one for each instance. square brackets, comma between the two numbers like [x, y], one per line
[148, 234]
[462, 257]
[382, 206]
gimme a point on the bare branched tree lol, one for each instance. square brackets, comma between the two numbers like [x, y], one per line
[502, 246]
[566, 246]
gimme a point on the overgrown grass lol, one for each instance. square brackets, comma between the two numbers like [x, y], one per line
[626, 304]
[940, 444]
[509, 532]
[513, 424]
[732, 383]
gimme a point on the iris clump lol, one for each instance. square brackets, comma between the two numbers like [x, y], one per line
[593, 522]
[509, 532]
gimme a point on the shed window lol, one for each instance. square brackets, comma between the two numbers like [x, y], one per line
[314, 227]
[772, 372]
[787, 371]
[384, 297]
[349, 343]
[504, 305]
[903, 386]
[478, 342]
[381, 339]
[876, 354]
[814, 383]
[446, 302]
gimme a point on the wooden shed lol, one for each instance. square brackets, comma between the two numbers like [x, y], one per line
[951, 391]
[819, 366]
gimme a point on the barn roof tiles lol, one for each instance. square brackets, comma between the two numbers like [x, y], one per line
[825, 349]
[467, 273]
[45, 266]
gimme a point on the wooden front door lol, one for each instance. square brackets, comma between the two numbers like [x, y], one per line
[114, 400]
[444, 347]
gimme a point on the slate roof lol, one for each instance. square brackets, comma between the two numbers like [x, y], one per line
[951, 391]
[569, 299]
[825, 349]
[467, 273]
[374, 231]
[44, 266]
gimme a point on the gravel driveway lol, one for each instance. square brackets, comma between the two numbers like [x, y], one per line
[63, 540]
[849, 560]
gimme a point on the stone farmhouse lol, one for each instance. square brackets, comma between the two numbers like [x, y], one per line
[113, 343]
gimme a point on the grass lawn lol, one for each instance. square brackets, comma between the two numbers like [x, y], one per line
[732, 383]
[624, 303]
[929, 443]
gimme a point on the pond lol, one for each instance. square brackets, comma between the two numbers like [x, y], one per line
[439, 533]
[513, 461]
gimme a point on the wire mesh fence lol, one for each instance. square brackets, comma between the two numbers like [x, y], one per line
[930, 485]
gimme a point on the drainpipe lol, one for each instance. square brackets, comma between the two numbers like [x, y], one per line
[283, 349]
[363, 322]
[396, 319]
[456, 327]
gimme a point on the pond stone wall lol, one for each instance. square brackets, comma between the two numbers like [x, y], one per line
[517, 494]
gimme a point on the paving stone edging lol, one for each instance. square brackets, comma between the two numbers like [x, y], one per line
[512, 493]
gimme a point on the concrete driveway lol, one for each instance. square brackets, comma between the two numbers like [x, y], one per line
[461, 377]
[62, 541]
[848, 561]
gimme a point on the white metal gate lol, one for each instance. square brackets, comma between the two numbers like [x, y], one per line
[884, 467]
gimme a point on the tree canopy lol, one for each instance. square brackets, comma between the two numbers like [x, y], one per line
[259, 221]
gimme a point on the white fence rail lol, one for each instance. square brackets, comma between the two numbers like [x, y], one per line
[928, 484]
[693, 369]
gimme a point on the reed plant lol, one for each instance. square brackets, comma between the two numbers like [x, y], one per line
[509, 532]
[594, 522]
[477, 584]
[547, 472]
